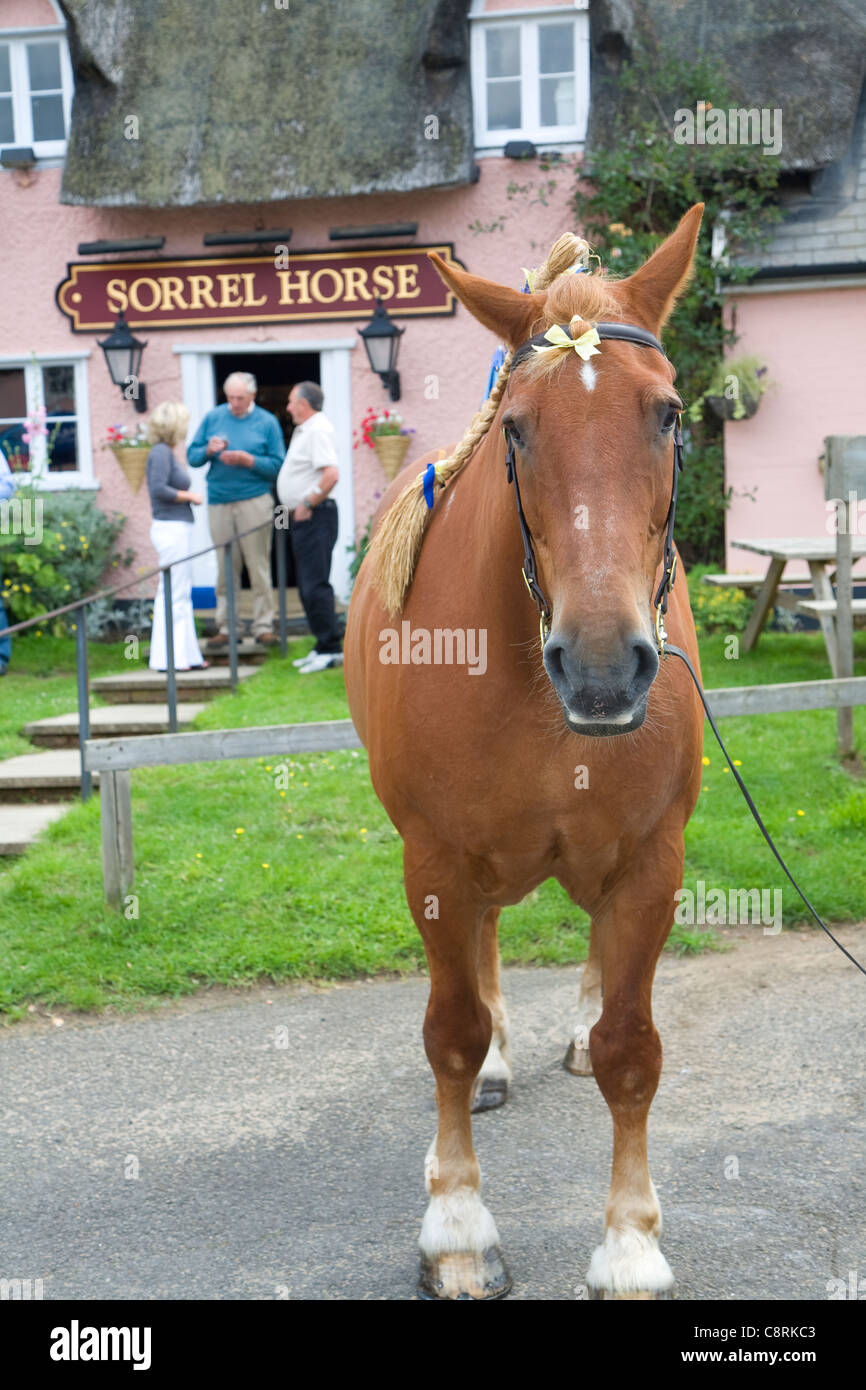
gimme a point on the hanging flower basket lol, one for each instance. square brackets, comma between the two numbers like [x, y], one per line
[743, 408]
[391, 450]
[133, 461]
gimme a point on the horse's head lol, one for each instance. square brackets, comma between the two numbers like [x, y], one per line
[593, 449]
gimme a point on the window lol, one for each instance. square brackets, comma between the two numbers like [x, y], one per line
[35, 92]
[58, 450]
[530, 77]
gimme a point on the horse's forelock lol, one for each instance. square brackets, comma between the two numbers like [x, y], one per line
[590, 296]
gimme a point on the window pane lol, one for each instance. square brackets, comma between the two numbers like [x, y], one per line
[557, 101]
[5, 71]
[503, 106]
[48, 118]
[556, 48]
[58, 386]
[503, 52]
[44, 62]
[15, 451]
[13, 398]
[64, 449]
[7, 122]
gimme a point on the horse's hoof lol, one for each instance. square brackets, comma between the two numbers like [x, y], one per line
[464, 1275]
[488, 1093]
[640, 1295]
[577, 1060]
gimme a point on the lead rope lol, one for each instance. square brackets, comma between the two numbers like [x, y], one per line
[676, 651]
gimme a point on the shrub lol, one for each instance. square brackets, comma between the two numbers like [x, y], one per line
[717, 610]
[639, 187]
[76, 544]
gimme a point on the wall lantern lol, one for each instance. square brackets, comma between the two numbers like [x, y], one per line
[123, 357]
[382, 341]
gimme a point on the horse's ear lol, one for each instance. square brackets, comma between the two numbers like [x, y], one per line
[506, 312]
[655, 288]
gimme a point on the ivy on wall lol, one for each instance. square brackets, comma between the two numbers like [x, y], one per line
[631, 196]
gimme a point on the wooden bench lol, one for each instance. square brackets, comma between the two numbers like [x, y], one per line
[734, 581]
[829, 607]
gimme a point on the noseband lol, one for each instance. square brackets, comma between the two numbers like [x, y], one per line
[624, 333]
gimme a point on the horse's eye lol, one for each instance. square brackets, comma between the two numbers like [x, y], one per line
[669, 419]
[512, 430]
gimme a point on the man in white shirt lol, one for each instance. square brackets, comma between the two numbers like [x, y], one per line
[306, 478]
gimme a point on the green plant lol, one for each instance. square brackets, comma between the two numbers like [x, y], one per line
[740, 381]
[717, 610]
[60, 555]
[632, 195]
[359, 549]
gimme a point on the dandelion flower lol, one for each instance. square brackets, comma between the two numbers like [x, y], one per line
[705, 761]
[240, 830]
[801, 813]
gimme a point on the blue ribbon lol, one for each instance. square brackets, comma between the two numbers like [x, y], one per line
[429, 480]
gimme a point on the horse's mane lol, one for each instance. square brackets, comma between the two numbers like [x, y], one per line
[397, 543]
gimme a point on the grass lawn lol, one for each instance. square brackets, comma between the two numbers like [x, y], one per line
[267, 868]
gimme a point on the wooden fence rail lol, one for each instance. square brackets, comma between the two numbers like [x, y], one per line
[114, 758]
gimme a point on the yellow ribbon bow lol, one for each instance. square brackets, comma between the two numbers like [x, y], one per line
[585, 346]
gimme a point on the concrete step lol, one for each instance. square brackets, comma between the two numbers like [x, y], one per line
[115, 721]
[248, 651]
[19, 825]
[145, 686]
[42, 776]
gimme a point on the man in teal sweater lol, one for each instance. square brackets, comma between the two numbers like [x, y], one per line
[245, 449]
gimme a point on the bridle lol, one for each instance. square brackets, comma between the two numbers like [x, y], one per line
[630, 333]
[625, 333]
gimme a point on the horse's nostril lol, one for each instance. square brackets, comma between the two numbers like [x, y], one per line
[553, 658]
[646, 662]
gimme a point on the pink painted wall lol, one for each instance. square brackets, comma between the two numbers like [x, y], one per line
[27, 14]
[816, 388]
[39, 236]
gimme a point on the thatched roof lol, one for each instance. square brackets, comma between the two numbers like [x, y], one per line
[259, 101]
[806, 58]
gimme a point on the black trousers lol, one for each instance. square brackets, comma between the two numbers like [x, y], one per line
[313, 543]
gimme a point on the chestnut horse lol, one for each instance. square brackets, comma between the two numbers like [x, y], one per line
[491, 788]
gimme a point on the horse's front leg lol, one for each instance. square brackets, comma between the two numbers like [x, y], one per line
[626, 1059]
[492, 1082]
[577, 1059]
[460, 1254]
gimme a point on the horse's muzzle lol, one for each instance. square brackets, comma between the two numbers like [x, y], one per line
[602, 700]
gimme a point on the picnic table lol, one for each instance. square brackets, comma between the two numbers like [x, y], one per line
[820, 555]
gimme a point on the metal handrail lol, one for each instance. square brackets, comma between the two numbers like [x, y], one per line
[171, 675]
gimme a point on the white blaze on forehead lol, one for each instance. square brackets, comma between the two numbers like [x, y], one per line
[588, 376]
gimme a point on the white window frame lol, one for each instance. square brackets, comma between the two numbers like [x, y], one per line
[17, 39]
[82, 476]
[529, 22]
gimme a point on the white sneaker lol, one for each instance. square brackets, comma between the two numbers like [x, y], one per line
[321, 661]
[302, 660]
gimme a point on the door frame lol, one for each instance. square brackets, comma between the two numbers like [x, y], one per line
[199, 395]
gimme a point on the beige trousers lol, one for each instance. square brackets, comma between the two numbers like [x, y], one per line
[227, 520]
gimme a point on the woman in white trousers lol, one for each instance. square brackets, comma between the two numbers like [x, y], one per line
[171, 537]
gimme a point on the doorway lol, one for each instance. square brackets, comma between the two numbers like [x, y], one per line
[277, 365]
[275, 374]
